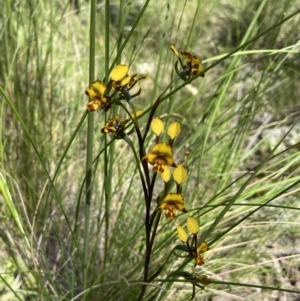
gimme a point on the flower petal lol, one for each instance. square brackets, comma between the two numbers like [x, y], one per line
[157, 126]
[172, 47]
[166, 174]
[99, 86]
[112, 125]
[93, 105]
[174, 130]
[179, 174]
[182, 234]
[91, 93]
[180, 207]
[192, 225]
[187, 55]
[119, 72]
[174, 198]
[202, 248]
[161, 150]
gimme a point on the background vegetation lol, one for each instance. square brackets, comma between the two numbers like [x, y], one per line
[241, 122]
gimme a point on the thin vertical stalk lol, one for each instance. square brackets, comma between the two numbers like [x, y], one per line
[120, 30]
[108, 162]
[106, 47]
[89, 151]
[192, 29]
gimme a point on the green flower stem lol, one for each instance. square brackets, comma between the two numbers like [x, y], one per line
[120, 31]
[109, 150]
[89, 151]
[272, 288]
[134, 25]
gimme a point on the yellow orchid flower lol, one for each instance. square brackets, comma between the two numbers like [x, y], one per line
[192, 65]
[97, 92]
[120, 78]
[201, 249]
[171, 203]
[194, 251]
[114, 126]
[160, 155]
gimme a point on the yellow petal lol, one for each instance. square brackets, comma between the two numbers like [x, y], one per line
[166, 175]
[174, 198]
[91, 93]
[162, 150]
[93, 105]
[112, 125]
[180, 207]
[127, 80]
[119, 72]
[163, 206]
[182, 234]
[202, 248]
[172, 47]
[157, 126]
[150, 158]
[187, 55]
[192, 225]
[99, 86]
[174, 130]
[179, 174]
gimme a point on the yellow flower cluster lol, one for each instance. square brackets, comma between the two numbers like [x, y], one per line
[119, 81]
[104, 94]
[161, 157]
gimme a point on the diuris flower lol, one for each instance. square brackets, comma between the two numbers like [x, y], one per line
[97, 92]
[115, 126]
[192, 65]
[197, 255]
[160, 155]
[194, 251]
[120, 78]
[171, 203]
